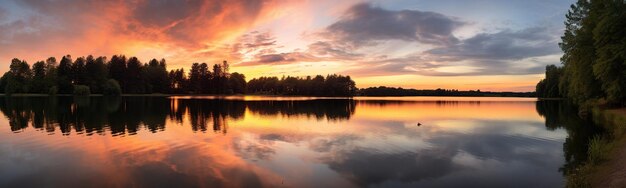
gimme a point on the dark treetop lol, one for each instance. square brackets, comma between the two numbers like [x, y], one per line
[594, 58]
[119, 74]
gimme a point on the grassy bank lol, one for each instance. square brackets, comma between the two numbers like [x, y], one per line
[606, 153]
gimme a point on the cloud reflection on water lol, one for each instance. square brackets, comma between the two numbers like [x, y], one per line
[160, 142]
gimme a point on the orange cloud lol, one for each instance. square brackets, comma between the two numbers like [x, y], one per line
[196, 30]
[278, 37]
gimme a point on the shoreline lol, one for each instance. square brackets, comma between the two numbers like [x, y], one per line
[607, 153]
[610, 172]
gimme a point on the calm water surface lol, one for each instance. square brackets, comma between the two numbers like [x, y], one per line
[288, 142]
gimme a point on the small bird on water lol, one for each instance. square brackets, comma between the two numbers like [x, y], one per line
[418, 124]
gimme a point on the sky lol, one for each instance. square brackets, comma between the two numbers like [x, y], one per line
[491, 45]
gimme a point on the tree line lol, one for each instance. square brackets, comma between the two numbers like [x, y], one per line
[122, 75]
[393, 91]
[594, 60]
[331, 85]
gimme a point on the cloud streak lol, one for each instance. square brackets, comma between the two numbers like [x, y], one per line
[505, 52]
[364, 27]
[163, 28]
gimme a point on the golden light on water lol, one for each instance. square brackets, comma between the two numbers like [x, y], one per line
[291, 141]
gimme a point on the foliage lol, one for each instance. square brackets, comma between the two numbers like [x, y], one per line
[332, 85]
[117, 69]
[81, 90]
[12, 85]
[598, 149]
[78, 73]
[135, 81]
[237, 83]
[128, 75]
[112, 88]
[594, 59]
[549, 87]
[96, 73]
[177, 81]
[156, 76]
[609, 37]
[53, 90]
[64, 73]
[18, 79]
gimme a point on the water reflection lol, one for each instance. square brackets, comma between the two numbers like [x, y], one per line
[309, 142]
[127, 115]
[561, 115]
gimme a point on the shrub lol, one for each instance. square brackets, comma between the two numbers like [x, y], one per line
[53, 90]
[112, 88]
[81, 90]
[599, 148]
[11, 88]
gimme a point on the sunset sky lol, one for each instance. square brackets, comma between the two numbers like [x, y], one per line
[495, 45]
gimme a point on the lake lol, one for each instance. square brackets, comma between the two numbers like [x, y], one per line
[255, 141]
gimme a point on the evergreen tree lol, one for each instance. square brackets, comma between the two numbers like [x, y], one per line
[120, 75]
[97, 73]
[195, 78]
[117, 70]
[64, 75]
[79, 72]
[156, 76]
[135, 82]
[39, 84]
[51, 74]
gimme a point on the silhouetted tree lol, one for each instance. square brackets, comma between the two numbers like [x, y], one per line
[135, 82]
[237, 83]
[51, 75]
[18, 79]
[593, 53]
[111, 88]
[117, 70]
[39, 84]
[97, 73]
[219, 80]
[79, 72]
[120, 75]
[178, 81]
[64, 74]
[332, 85]
[195, 78]
[156, 77]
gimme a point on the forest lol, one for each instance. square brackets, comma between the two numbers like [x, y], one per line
[121, 75]
[594, 56]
